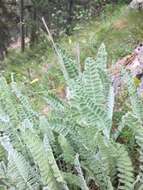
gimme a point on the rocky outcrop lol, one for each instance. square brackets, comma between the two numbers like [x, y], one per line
[136, 4]
[132, 63]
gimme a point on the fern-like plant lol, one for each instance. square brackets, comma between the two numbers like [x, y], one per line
[75, 146]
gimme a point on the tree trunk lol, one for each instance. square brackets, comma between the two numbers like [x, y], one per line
[70, 6]
[34, 27]
[22, 32]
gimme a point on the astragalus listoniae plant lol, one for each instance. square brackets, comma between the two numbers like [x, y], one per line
[133, 120]
[89, 119]
[74, 147]
[27, 160]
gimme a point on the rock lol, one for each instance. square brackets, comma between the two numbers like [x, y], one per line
[132, 63]
[136, 4]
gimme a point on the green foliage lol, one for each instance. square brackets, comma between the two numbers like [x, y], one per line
[80, 174]
[125, 169]
[40, 61]
[75, 146]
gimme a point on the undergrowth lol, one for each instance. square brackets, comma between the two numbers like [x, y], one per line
[119, 28]
[74, 146]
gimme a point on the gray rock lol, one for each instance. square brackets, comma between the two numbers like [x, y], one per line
[136, 4]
